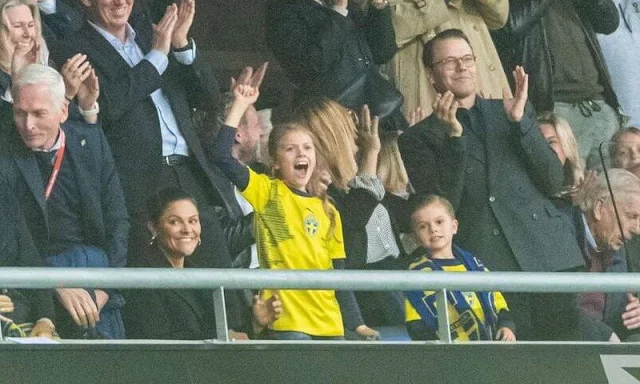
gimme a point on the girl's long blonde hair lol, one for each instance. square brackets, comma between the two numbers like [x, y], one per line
[7, 48]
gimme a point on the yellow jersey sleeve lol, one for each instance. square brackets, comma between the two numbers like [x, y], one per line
[258, 190]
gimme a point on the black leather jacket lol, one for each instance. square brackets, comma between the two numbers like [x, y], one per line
[523, 41]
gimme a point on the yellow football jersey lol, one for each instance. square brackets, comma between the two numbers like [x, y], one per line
[292, 232]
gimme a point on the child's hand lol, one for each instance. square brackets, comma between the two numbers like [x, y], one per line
[367, 334]
[265, 312]
[244, 95]
[505, 334]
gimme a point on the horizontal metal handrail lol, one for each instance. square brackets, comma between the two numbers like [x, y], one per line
[162, 278]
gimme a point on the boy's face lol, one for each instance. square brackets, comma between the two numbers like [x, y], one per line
[434, 227]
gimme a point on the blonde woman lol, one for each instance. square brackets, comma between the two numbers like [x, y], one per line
[21, 43]
[351, 160]
[558, 133]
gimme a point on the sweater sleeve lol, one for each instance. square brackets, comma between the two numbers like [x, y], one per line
[351, 316]
[223, 158]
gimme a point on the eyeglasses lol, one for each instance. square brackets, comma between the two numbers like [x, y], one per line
[450, 63]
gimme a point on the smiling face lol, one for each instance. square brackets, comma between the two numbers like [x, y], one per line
[20, 25]
[178, 229]
[295, 159]
[628, 152]
[434, 227]
[112, 15]
[37, 116]
[461, 80]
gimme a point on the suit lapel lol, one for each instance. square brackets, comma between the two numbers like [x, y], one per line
[102, 48]
[28, 167]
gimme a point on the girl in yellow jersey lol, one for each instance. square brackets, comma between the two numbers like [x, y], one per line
[294, 229]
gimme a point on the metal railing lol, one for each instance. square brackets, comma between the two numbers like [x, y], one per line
[220, 279]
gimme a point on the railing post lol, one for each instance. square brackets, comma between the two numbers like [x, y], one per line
[443, 316]
[219, 307]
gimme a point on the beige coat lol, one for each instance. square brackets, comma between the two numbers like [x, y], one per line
[417, 21]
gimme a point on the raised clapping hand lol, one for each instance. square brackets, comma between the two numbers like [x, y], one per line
[514, 106]
[445, 107]
[23, 55]
[89, 90]
[186, 13]
[74, 72]
[80, 306]
[163, 31]
[505, 334]
[368, 140]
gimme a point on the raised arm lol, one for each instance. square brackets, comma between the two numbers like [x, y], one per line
[220, 150]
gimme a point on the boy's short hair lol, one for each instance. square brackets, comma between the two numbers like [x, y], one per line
[420, 201]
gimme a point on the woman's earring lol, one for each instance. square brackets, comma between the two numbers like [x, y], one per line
[199, 240]
[153, 238]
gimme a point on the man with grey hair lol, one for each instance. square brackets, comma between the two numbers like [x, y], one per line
[602, 244]
[64, 178]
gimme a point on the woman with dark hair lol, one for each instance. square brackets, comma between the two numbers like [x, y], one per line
[186, 314]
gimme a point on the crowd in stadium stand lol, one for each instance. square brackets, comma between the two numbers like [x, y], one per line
[426, 135]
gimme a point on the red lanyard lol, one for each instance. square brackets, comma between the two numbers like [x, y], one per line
[56, 167]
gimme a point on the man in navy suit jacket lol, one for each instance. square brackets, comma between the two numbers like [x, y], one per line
[66, 183]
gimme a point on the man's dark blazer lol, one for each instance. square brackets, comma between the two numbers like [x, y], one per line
[500, 194]
[104, 216]
[17, 250]
[129, 117]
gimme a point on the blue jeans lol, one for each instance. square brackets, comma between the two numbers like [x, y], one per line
[301, 336]
[110, 325]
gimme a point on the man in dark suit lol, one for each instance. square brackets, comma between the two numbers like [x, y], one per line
[151, 78]
[67, 186]
[490, 160]
[602, 244]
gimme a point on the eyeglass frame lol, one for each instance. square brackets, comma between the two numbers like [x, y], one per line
[455, 61]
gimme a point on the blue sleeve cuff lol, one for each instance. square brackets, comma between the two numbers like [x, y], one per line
[158, 60]
[188, 56]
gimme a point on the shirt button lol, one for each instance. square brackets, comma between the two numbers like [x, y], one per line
[535, 216]
[496, 231]
[492, 67]
[492, 198]
[469, 170]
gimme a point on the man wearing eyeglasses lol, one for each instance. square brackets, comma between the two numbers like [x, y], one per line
[490, 160]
